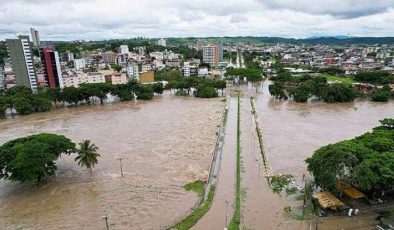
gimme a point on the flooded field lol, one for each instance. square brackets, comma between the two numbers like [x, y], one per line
[164, 144]
[293, 131]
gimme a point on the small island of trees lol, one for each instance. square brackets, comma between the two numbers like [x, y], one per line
[33, 158]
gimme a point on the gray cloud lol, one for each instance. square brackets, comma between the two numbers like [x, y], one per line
[103, 19]
[337, 8]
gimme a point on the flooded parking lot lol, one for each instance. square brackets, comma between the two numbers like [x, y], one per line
[164, 144]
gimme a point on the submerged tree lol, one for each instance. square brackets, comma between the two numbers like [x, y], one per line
[32, 158]
[87, 154]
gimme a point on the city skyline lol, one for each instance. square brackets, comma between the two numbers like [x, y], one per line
[74, 20]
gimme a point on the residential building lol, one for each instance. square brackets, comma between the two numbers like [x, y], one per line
[203, 72]
[51, 66]
[146, 68]
[116, 78]
[147, 77]
[79, 64]
[132, 71]
[109, 57]
[21, 55]
[157, 55]
[173, 64]
[161, 42]
[2, 79]
[35, 36]
[186, 69]
[123, 49]
[213, 54]
[75, 79]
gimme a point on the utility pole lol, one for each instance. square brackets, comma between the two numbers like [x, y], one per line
[106, 221]
[121, 168]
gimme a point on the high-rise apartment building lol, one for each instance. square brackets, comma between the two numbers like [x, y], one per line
[109, 57]
[51, 65]
[21, 56]
[161, 42]
[35, 36]
[123, 49]
[213, 54]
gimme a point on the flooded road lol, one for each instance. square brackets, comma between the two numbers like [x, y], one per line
[164, 144]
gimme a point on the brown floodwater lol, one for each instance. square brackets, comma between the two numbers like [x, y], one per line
[293, 131]
[164, 143]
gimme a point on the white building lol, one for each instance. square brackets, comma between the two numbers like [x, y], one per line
[75, 79]
[186, 69]
[146, 68]
[79, 64]
[35, 36]
[161, 42]
[133, 71]
[203, 72]
[157, 55]
[123, 49]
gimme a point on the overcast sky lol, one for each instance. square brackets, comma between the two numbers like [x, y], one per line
[107, 19]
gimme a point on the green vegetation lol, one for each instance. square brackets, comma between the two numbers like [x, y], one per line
[197, 187]
[332, 71]
[366, 162]
[280, 182]
[381, 95]
[32, 158]
[375, 77]
[25, 102]
[338, 79]
[236, 219]
[303, 87]
[197, 213]
[87, 154]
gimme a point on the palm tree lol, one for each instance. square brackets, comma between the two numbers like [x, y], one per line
[87, 154]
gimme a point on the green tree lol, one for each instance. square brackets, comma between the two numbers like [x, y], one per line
[33, 157]
[158, 88]
[22, 105]
[381, 95]
[116, 67]
[72, 95]
[336, 162]
[221, 84]
[87, 154]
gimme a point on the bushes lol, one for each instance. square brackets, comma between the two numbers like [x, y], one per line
[339, 92]
[381, 95]
[375, 77]
[206, 91]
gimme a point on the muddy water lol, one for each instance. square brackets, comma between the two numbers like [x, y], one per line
[260, 206]
[292, 131]
[164, 143]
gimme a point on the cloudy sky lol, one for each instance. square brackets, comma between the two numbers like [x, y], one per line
[107, 19]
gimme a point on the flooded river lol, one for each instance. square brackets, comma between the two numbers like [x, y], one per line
[164, 144]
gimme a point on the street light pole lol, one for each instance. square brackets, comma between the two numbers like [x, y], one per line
[106, 221]
[121, 168]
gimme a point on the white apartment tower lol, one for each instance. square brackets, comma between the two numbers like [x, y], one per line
[161, 42]
[35, 36]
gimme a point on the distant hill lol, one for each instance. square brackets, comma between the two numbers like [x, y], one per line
[324, 40]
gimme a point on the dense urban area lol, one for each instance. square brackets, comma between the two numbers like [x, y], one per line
[275, 132]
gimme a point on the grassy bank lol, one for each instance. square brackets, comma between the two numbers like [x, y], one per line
[236, 219]
[197, 214]
[197, 187]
